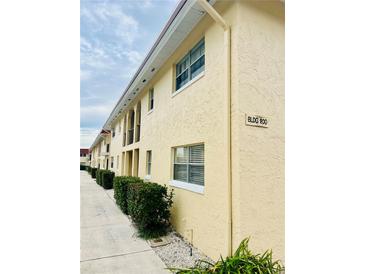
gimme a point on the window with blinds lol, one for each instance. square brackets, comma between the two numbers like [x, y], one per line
[189, 164]
[191, 65]
[149, 162]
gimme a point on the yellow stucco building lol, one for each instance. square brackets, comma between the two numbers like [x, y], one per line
[204, 114]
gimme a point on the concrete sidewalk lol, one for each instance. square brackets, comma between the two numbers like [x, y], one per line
[108, 241]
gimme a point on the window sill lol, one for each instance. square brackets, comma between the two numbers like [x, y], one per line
[150, 111]
[188, 84]
[187, 186]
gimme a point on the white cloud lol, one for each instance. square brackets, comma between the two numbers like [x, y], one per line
[96, 110]
[146, 4]
[109, 52]
[85, 75]
[94, 54]
[112, 17]
[87, 136]
[133, 56]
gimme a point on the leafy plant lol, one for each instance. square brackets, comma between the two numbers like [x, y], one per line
[243, 261]
[149, 207]
[93, 172]
[121, 189]
[99, 174]
[107, 177]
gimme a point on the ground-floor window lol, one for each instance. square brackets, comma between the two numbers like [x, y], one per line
[188, 166]
[148, 162]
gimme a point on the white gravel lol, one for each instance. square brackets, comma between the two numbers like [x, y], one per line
[176, 254]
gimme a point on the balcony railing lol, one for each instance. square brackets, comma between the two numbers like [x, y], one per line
[104, 153]
[130, 136]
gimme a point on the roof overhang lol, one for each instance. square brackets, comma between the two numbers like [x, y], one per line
[103, 133]
[185, 17]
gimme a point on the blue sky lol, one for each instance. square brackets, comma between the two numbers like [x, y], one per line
[115, 36]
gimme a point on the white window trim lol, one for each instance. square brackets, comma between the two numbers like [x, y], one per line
[150, 111]
[188, 84]
[187, 186]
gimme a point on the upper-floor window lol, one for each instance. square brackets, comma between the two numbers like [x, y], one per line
[189, 164]
[150, 99]
[111, 162]
[107, 147]
[113, 132]
[191, 65]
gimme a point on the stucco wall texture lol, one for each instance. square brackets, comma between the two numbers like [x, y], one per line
[198, 114]
[258, 153]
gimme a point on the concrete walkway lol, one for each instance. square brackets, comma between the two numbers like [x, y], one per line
[108, 241]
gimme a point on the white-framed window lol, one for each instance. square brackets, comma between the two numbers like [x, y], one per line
[150, 99]
[191, 65]
[148, 162]
[111, 162]
[188, 167]
[113, 132]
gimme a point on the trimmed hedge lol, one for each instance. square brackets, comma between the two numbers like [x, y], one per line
[148, 204]
[82, 167]
[121, 189]
[149, 207]
[99, 173]
[107, 177]
[93, 172]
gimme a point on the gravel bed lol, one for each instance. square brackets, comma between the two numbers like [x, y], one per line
[176, 254]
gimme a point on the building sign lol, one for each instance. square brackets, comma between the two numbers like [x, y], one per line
[256, 121]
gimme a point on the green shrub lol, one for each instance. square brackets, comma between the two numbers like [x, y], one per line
[82, 167]
[99, 173]
[149, 207]
[120, 185]
[242, 261]
[88, 169]
[93, 172]
[107, 177]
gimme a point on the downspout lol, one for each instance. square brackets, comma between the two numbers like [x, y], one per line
[227, 48]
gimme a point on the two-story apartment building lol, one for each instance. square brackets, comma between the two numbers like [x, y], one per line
[84, 156]
[100, 150]
[204, 114]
